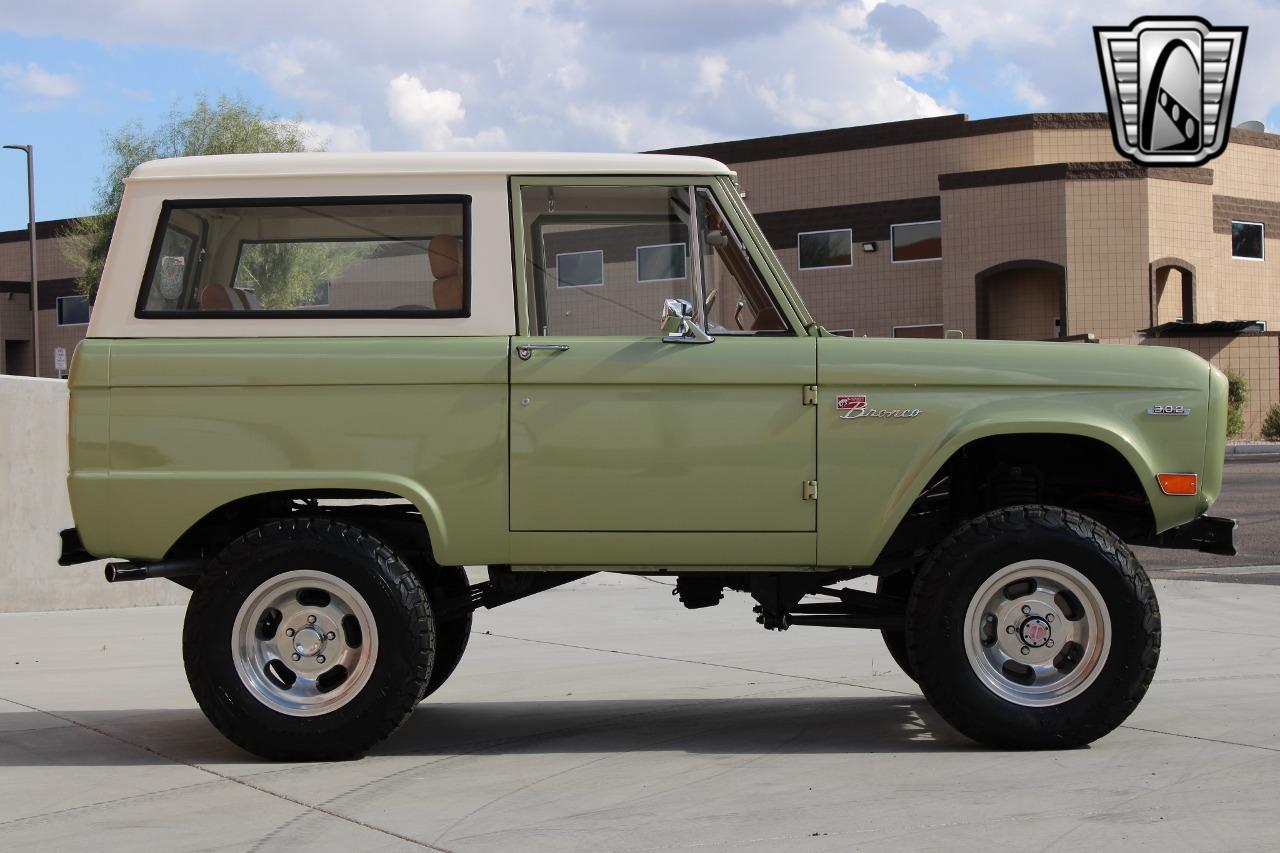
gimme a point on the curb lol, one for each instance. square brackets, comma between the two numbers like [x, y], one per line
[1251, 448]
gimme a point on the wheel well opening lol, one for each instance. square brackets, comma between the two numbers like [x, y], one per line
[1071, 471]
[390, 517]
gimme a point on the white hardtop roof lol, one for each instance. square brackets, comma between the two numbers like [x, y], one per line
[406, 162]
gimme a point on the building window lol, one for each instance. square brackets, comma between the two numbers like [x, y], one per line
[73, 310]
[664, 262]
[916, 241]
[924, 330]
[823, 249]
[1246, 240]
[580, 269]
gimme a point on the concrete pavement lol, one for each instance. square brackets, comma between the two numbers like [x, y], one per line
[602, 716]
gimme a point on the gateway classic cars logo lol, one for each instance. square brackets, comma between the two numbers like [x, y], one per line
[1170, 85]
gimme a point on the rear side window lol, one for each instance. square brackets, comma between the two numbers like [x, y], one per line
[387, 257]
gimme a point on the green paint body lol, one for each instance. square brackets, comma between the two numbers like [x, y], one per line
[627, 453]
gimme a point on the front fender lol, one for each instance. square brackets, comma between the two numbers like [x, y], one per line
[911, 487]
[871, 470]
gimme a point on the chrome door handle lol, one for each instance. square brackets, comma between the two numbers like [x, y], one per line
[525, 351]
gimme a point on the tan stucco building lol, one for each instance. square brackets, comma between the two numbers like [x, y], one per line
[1026, 227]
[63, 315]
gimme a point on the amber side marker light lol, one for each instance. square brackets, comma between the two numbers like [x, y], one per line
[1178, 484]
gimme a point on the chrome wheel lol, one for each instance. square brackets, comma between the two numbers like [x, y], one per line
[304, 643]
[1037, 633]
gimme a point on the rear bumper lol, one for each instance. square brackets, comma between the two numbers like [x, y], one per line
[73, 551]
[1207, 533]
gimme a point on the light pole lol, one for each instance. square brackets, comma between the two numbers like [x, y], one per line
[31, 239]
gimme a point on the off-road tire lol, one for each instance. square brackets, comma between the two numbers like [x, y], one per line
[897, 585]
[955, 572]
[452, 635]
[401, 611]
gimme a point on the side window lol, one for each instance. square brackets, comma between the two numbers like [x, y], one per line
[601, 260]
[1246, 240]
[916, 241]
[738, 302]
[73, 310]
[298, 257]
[823, 249]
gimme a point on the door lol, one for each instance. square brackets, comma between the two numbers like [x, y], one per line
[614, 429]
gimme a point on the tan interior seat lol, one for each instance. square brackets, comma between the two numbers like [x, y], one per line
[219, 297]
[445, 252]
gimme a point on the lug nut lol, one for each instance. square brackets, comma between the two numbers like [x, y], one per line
[1048, 617]
[297, 656]
[311, 619]
[331, 636]
[1049, 643]
[320, 659]
[289, 632]
[1026, 609]
[1026, 651]
[1008, 629]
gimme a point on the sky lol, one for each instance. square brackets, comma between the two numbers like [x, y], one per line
[573, 75]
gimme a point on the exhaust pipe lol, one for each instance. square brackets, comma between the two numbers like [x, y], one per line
[120, 572]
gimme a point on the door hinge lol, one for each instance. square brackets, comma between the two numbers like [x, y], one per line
[809, 396]
[809, 491]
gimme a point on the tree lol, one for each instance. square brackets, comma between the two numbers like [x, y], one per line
[290, 275]
[231, 125]
[1237, 396]
[1271, 426]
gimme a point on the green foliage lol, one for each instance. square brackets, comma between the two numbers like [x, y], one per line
[289, 275]
[1271, 424]
[1235, 422]
[231, 125]
[1237, 396]
[1237, 390]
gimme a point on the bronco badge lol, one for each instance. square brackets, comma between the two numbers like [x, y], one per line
[854, 406]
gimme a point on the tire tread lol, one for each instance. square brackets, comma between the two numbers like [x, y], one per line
[1025, 520]
[400, 700]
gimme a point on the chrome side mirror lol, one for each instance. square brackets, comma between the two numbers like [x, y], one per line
[678, 324]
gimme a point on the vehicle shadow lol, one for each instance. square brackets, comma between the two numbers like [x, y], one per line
[740, 726]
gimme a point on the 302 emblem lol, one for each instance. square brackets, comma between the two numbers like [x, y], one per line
[854, 406]
[1168, 410]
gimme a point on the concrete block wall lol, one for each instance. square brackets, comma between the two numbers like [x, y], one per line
[1255, 357]
[34, 507]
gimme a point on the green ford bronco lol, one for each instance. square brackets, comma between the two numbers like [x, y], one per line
[316, 386]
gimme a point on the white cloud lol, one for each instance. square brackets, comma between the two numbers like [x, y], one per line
[431, 114]
[33, 81]
[711, 71]
[560, 74]
[614, 123]
[1015, 80]
[584, 74]
[335, 137]
[427, 113]
[571, 75]
[822, 75]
